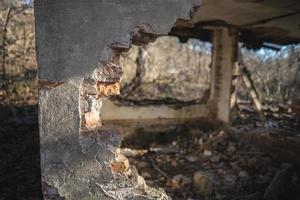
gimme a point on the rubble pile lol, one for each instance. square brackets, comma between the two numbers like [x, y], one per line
[206, 165]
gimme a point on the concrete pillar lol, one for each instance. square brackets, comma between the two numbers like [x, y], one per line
[224, 55]
[78, 47]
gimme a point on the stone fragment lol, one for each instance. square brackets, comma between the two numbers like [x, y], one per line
[202, 183]
[201, 141]
[191, 158]
[165, 149]
[120, 165]
[128, 152]
[207, 153]
[215, 159]
[174, 162]
[180, 182]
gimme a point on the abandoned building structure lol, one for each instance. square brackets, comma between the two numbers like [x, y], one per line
[79, 44]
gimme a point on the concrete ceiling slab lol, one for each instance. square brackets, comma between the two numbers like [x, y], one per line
[275, 21]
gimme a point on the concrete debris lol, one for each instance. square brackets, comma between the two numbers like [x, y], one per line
[227, 170]
[202, 183]
[164, 149]
[207, 153]
[128, 152]
[191, 158]
[181, 182]
[120, 165]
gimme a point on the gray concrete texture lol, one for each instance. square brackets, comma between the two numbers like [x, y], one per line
[73, 35]
[77, 40]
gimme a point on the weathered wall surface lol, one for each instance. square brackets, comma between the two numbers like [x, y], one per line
[79, 43]
[74, 36]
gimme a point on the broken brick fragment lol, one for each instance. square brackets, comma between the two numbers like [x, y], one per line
[120, 165]
[108, 89]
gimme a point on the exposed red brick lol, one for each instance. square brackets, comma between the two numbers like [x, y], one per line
[108, 89]
[120, 165]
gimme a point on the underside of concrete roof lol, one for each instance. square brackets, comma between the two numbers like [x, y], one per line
[258, 21]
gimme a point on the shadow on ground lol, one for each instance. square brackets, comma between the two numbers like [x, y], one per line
[20, 176]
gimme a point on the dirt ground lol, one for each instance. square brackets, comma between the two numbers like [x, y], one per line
[233, 169]
[225, 168]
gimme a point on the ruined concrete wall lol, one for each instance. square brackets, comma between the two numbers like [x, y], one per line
[164, 80]
[82, 46]
[79, 44]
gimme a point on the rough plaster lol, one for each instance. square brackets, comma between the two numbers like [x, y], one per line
[78, 164]
[73, 35]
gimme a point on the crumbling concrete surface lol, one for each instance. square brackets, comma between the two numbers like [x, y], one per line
[79, 44]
